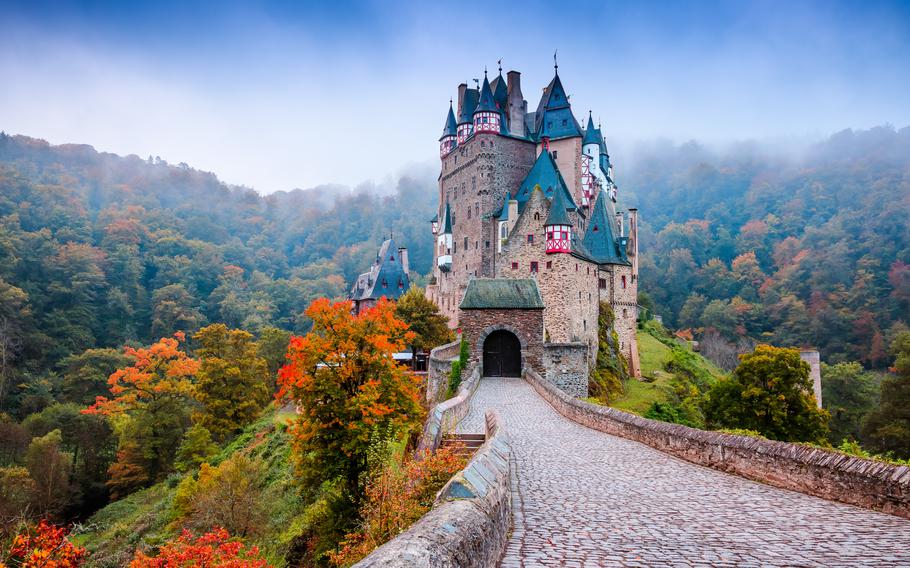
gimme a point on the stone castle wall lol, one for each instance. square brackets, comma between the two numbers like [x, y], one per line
[475, 178]
[469, 523]
[829, 475]
[565, 365]
[439, 366]
[568, 160]
[527, 325]
[568, 285]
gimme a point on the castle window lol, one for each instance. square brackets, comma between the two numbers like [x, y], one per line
[624, 282]
[625, 313]
[584, 324]
[476, 208]
[466, 243]
[537, 216]
[487, 244]
[514, 266]
[555, 154]
[531, 239]
[385, 283]
[589, 270]
[595, 228]
[576, 267]
[534, 266]
[400, 285]
[455, 249]
[549, 265]
[483, 144]
[476, 244]
[469, 212]
[602, 283]
[473, 183]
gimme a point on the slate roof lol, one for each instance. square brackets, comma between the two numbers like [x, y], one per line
[600, 239]
[447, 223]
[500, 91]
[468, 105]
[554, 118]
[546, 174]
[502, 293]
[386, 277]
[486, 103]
[592, 135]
[451, 127]
[558, 210]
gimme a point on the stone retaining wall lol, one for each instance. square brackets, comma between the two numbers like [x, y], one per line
[830, 475]
[469, 524]
[439, 366]
[566, 366]
[448, 413]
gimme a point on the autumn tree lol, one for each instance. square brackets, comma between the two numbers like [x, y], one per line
[769, 392]
[228, 495]
[349, 389]
[215, 549]
[84, 376]
[422, 315]
[195, 449]
[272, 346]
[50, 469]
[44, 546]
[154, 394]
[231, 380]
[887, 428]
[17, 492]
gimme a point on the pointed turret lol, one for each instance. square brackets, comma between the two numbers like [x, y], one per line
[466, 117]
[601, 239]
[444, 242]
[487, 117]
[447, 141]
[554, 119]
[558, 226]
[500, 91]
[592, 135]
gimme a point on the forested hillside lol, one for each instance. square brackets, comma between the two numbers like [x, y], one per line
[812, 249]
[99, 251]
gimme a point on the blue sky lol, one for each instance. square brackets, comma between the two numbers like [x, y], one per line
[277, 95]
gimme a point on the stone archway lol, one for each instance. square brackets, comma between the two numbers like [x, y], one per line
[502, 354]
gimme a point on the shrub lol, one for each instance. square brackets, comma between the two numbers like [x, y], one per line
[213, 549]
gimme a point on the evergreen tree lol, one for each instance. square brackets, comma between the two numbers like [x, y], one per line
[887, 428]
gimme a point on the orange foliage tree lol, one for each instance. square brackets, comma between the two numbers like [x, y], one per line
[155, 392]
[214, 549]
[45, 546]
[395, 498]
[350, 392]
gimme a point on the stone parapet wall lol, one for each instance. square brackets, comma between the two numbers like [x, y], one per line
[830, 475]
[439, 366]
[566, 366]
[469, 524]
[445, 415]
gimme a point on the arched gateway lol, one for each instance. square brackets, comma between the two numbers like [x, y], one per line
[502, 354]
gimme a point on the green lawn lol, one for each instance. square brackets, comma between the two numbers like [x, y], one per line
[639, 395]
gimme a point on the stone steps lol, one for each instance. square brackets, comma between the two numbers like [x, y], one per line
[464, 444]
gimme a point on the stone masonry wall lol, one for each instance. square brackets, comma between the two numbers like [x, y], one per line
[568, 160]
[438, 368]
[566, 366]
[475, 179]
[624, 301]
[526, 324]
[830, 475]
[568, 285]
[469, 524]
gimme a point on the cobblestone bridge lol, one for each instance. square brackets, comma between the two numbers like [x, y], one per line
[585, 498]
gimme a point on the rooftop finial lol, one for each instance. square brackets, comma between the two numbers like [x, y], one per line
[555, 64]
[484, 71]
[500, 66]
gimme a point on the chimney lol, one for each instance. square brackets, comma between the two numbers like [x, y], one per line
[403, 255]
[461, 89]
[622, 229]
[513, 213]
[517, 105]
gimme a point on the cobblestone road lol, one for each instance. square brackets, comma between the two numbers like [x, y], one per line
[585, 498]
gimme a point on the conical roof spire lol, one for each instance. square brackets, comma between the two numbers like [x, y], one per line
[451, 127]
[592, 135]
[486, 103]
[447, 222]
[558, 210]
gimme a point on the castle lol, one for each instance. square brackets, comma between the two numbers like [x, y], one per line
[387, 277]
[529, 239]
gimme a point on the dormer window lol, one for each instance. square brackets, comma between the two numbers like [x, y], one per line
[385, 283]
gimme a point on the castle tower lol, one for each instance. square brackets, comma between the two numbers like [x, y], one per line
[558, 227]
[487, 117]
[447, 141]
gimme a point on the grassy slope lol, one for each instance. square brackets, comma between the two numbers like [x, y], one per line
[653, 355]
[146, 518]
